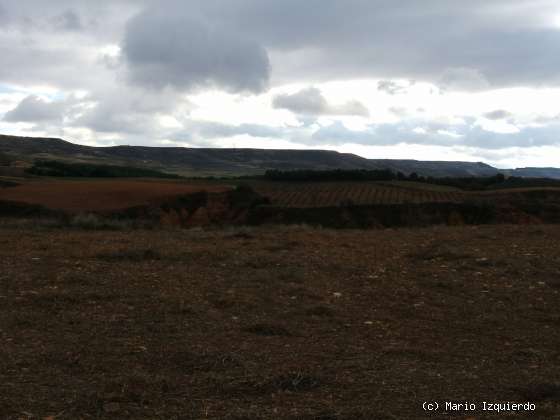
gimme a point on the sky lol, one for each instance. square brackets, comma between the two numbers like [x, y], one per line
[409, 79]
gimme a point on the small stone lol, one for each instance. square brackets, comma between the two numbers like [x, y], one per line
[337, 295]
[112, 407]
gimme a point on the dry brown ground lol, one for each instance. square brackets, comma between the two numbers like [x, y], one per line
[277, 323]
[99, 195]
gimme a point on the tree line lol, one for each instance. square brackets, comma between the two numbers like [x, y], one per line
[88, 170]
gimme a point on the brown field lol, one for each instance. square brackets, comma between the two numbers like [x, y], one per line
[99, 195]
[278, 323]
[332, 194]
[111, 194]
[329, 194]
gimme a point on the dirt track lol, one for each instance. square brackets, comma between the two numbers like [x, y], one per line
[278, 323]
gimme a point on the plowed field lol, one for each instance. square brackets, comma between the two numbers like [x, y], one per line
[305, 195]
[98, 195]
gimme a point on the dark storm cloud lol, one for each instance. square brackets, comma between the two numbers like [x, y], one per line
[186, 44]
[503, 42]
[192, 43]
[171, 48]
[33, 109]
[311, 101]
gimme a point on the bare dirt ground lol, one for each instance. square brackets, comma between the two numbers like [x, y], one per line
[100, 195]
[278, 323]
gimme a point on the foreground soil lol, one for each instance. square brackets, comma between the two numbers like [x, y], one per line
[278, 323]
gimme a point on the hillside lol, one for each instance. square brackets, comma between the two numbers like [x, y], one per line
[184, 160]
[227, 162]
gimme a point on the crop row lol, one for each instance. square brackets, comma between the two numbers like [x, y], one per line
[311, 195]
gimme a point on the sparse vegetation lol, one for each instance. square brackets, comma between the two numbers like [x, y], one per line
[90, 221]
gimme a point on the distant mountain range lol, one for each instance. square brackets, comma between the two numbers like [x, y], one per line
[224, 162]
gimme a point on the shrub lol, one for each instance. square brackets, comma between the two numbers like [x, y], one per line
[90, 221]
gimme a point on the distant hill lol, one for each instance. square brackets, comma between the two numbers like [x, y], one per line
[553, 173]
[436, 169]
[224, 162]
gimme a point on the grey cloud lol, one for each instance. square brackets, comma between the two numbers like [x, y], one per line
[3, 15]
[499, 114]
[391, 87]
[33, 109]
[209, 133]
[230, 45]
[311, 101]
[469, 135]
[351, 108]
[462, 78]
[171, 48]
[129, 111]
[528, 137]
[416, 40]
[190, 43]
[67, 21]
[307, 101]
[375, 135]
[30, 64]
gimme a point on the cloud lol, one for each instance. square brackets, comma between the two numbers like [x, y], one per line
[429, 133]
[3, 15]
[463, 79]
[213, 130]
[136, 63]
[171, 48]
[333, 39]
[33, 109]
[189, 43]
[129, 111]
[311, 101]
[498, 114]
[391, 87]
[67, 21]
